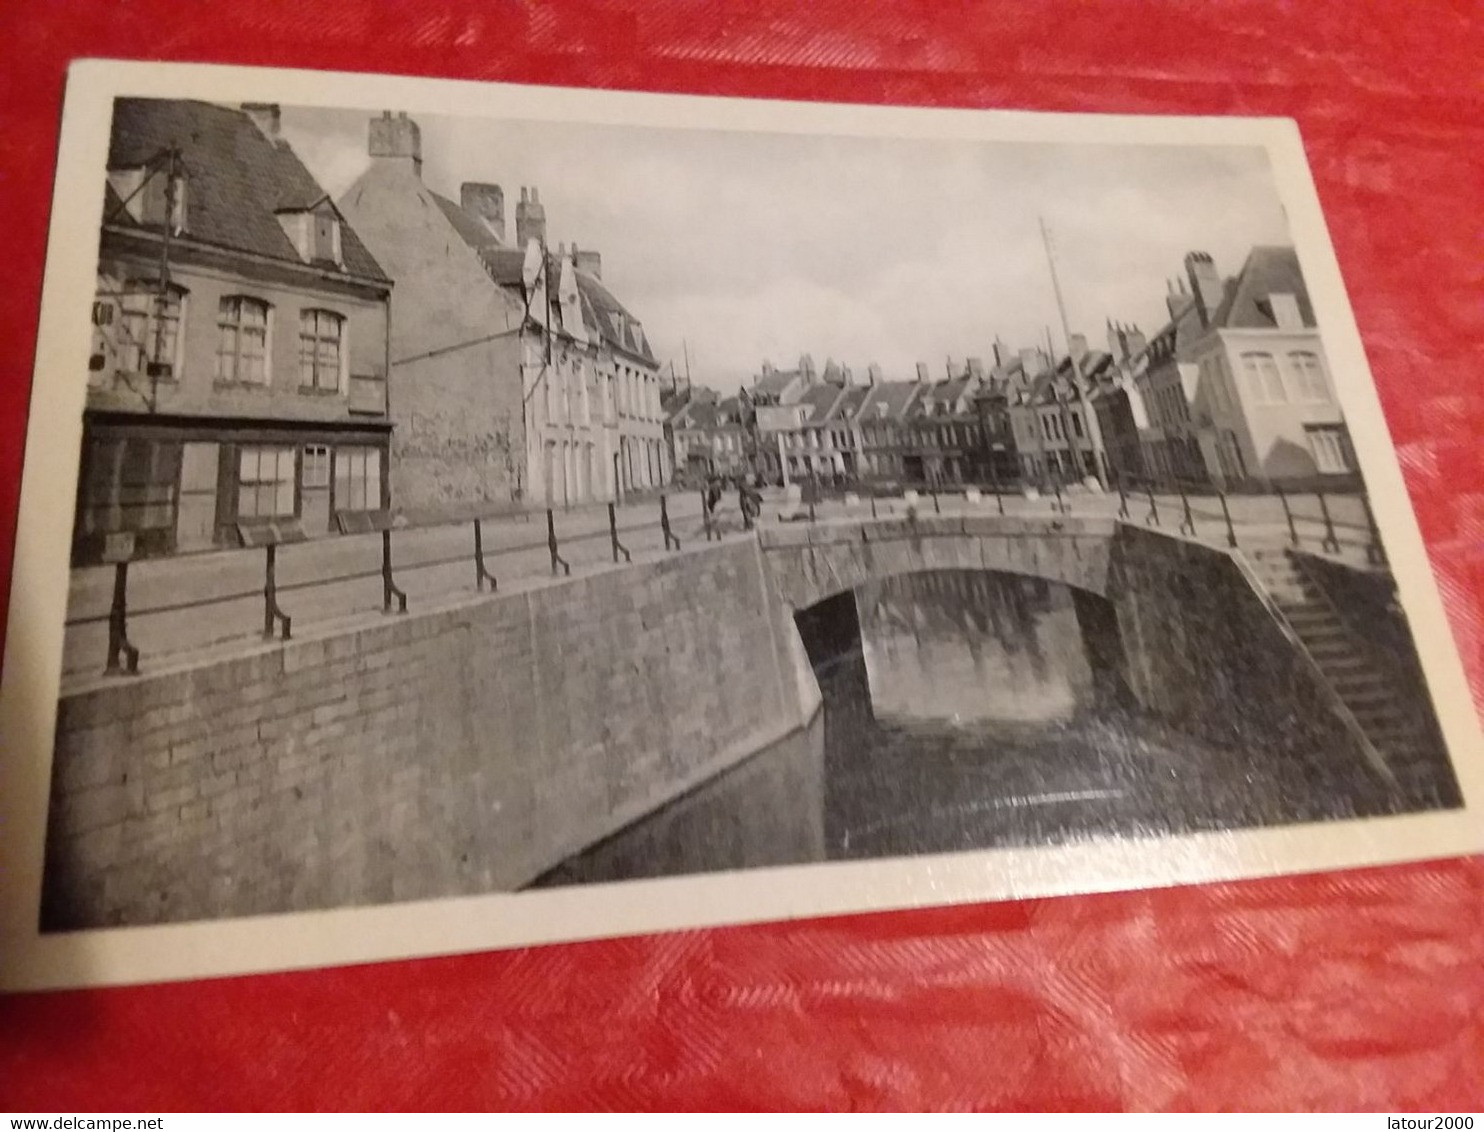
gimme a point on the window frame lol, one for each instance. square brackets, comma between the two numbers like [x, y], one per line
[257, 484]
[243, 301]
[342, 345]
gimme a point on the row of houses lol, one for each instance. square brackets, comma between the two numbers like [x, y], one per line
[1234, 391]
[264, 355]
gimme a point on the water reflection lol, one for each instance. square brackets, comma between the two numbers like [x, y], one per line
[968, 648]
[962, 710]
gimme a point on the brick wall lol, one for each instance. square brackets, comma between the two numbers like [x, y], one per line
[461, 751]
[455, 391]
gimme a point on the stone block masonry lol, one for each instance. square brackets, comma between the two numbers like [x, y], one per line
[453, 752]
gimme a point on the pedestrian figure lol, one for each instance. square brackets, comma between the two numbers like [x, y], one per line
[750, 503]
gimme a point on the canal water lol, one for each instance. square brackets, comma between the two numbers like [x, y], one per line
[962, 710]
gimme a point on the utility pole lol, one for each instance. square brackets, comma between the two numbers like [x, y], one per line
[1093, 437]
[162, 295]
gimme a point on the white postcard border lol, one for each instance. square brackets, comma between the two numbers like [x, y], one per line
[33, 646]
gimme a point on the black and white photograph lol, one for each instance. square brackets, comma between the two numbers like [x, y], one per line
[626, 514]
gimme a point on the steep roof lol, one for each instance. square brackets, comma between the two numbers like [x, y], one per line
[820, 399]
[237, 180]
[601, 309]
[887, 400]
[773, 384]
[1269, 270]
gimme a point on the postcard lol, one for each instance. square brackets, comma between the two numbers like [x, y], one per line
[458, 516]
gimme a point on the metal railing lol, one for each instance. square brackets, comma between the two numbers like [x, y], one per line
[123, 656]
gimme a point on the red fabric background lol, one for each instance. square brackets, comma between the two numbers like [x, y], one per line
[1357, 990]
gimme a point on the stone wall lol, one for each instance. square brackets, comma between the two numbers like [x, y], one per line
[460, 751]
[810, 563]
[1204, 651]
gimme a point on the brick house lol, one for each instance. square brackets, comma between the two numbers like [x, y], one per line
[513, 387]
[238, 373]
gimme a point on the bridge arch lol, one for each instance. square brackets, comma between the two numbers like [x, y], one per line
[810, 564]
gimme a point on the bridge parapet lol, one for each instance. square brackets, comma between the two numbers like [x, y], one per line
[811, 562]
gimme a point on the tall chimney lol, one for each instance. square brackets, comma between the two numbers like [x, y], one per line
[530, 218]
[396, 139]
[485, 202]
[976, 368]
[923, 376]
[1175, 300]
[1032, 361]
[1205, 284]
[873, 374]
[590, 262]
[266, 116]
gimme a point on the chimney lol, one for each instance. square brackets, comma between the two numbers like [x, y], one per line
[873, 374]
[266, 116]
[1133, 340]
[1205, 284]
[396, 139]
[1175, 299]
[923, 376]
[590, 262]
[1032, 362]
[847, 378]
[1077, 347]
[485, 203]
[530, 218]
[806, 366]
[976, 368]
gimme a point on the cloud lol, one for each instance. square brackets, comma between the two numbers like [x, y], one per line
[751, 245]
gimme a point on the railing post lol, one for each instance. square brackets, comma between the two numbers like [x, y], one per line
[933, 486]
[813, 494]
[389, 588]
[271, 612]
[1331, 543]
[1122, 498]
[671, 542]
[1187, 524]
[481, 571]
[706, 514]
[1153, 516]
[873, 503]
[557, 562]
[118, 625]
[1288, 516]
[1231, 531]
[1056, 486]
[618, 547]
[1375, 553]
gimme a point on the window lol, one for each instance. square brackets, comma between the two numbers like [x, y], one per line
[149, 328]
[321, 349]
[316, 466]
[265, 482]
[130, 485]
[1331, 449]
[1310, 373]
[1285, 310]
[357, 478]
[1264, 379]
[242, 340]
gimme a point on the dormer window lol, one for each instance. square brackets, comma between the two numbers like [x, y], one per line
[1285, 311]
[314, 232]
[146, 193]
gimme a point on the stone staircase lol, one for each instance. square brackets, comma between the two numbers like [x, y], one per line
[1384, 714]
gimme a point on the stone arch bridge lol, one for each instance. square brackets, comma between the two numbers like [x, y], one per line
[809, 563]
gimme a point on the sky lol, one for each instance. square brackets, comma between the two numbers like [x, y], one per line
[733, 248]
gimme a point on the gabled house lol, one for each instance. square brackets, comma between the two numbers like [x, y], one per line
[1238, 381]
[520, 380]
[881, 427]
[239, 366]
